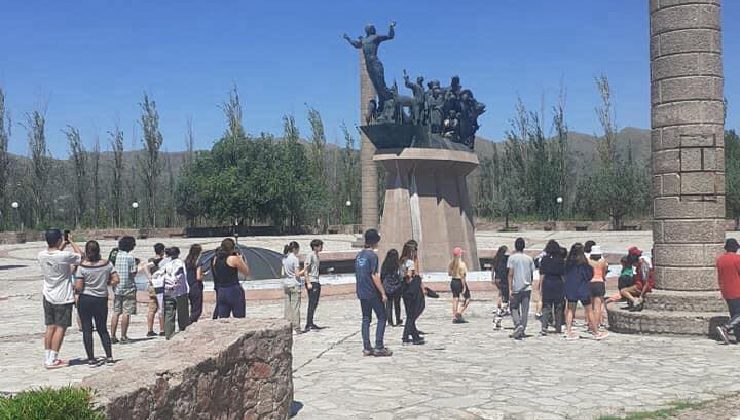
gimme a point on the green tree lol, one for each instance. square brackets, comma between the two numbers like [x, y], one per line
[349, 180]
[78, 158]
[41, 165]
[5, 125]
[732, 175]
[318, 199]
[150, 165]
[116, 187]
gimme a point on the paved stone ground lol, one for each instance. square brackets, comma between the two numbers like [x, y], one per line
[465, 371]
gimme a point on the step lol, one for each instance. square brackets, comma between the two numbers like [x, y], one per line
[651, 321]
[681, 301]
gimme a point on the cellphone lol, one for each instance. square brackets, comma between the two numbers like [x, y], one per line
[66, 235]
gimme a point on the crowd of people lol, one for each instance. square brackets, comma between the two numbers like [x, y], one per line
[82, 278]
[566, 277]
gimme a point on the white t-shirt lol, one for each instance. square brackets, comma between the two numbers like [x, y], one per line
[291, 266]
[56, 267]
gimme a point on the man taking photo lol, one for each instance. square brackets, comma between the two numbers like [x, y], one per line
[56, 267]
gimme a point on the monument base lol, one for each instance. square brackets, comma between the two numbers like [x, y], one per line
[426, 199]
[672, 312]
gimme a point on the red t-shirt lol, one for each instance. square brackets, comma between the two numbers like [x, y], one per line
[728, 275]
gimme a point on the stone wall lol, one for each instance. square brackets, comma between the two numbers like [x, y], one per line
[222, 369]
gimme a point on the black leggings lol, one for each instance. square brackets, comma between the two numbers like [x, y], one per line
[89, 308]
[393, 302]
[413, 310]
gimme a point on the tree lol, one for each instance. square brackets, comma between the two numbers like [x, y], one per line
[732, 175]
[150, 165]
[350, 179]
[40, 166]
[4, 157]
[116, 186]
[95, 168]
[319, 197]
[293, 163]
[189, 142]
[78, 156]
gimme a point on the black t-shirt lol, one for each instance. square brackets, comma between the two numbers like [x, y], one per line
[552, 268]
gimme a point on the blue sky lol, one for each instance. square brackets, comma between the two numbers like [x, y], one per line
[89, 62]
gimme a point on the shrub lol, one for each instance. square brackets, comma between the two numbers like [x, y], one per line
[50, 404]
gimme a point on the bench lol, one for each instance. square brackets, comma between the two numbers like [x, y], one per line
[630, 227]
[176, 235]
[581, 227]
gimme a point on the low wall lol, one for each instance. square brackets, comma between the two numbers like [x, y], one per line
[228, 368]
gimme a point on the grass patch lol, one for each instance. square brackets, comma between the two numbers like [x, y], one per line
[664, 413]
[50, 404]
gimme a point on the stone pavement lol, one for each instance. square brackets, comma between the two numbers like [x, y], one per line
[465, 371]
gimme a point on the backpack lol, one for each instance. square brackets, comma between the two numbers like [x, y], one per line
[392, 283]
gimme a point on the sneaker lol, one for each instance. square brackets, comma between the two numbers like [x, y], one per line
[723, 334]
[316, 327]
[571, 336]
[109, 361]
[93, 363]
[114, 340]
[406, 342]
[125, 340]
[151, 334]
[384, 352]
[418, 342]
[537, 316]
[368, 352]
[457, 321]
[56, 364]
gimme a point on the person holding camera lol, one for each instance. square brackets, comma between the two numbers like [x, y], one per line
[93, 277]
[58, 292]
[226, 267]
[124, 294]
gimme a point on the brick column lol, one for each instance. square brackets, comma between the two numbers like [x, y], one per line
[688, 142]
[367, 151]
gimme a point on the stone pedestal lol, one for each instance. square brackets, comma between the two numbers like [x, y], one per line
[427, 199]
[368, 168]
[688, 170]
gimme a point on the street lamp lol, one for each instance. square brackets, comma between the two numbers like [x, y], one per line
[19, 221]
[558, 200]
[135, 206]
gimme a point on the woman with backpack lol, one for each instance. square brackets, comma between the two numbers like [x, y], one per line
[413, 295]
[176, 303]
[390, 275]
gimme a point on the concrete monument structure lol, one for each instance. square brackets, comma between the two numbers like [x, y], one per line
[688, 170]
[424, 141]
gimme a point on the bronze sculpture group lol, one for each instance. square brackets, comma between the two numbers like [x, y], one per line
[451, 112]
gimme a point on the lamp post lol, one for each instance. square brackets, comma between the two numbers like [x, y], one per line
[19, 221]
[558, 200]
[135, 206]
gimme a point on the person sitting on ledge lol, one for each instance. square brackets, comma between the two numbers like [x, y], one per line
[644, 280]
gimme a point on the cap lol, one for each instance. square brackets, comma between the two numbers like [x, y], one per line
[634, 251]
[457, 251]
[372, 237]
[595, 250]
[731, 245]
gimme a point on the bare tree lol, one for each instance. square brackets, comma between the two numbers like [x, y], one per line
[95, 168]
[40, 165]
[117, 179]
[150, 164]
[78, 156]
[4, 157]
